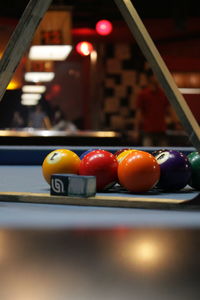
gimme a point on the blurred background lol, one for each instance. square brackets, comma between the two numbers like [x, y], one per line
[82, 264]
[90, 77]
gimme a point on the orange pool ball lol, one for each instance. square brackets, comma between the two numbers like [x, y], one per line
[60, 161]
[138, 172]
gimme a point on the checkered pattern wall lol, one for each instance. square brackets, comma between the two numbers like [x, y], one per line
[123, 66]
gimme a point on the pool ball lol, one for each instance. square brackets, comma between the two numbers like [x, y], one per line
[60, 161]
[120, 151]
[194, 159]
[138, 172]
[103, 165]
[175, 170]
[86, 152]
[123, 154]
[156, 152]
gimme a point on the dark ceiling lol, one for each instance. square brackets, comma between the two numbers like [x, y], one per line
[87, 12]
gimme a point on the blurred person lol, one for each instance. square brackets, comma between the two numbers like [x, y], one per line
[61, 123]
[153, 111]
[17, 120]
[38, 119]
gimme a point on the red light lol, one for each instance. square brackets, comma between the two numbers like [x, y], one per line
[104, 27]
[56, 88]
[84, 48]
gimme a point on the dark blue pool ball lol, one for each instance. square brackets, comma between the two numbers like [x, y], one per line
[86, 152]
[175, 170]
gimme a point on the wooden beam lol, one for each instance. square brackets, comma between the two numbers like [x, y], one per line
[20, 40]
[106, 200]
[160, 69]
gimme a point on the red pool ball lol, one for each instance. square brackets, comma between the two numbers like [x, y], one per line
[138, 172]
[103, 165]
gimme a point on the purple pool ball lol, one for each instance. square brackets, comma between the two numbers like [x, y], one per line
[175, 170]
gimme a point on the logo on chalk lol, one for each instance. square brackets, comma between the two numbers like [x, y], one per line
[57, 185]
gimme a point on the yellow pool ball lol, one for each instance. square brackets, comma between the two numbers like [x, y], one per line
[123, 154]
[60, 161]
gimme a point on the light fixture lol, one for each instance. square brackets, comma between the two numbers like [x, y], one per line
[104, 27]
[29, 103]
[84, 48]
[39, 76]
[34, 89]
[93, 56]
[189, 90]
[13, 85]
[30, 97]
[49, 52]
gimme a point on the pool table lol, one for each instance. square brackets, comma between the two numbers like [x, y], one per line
[22, 181]
[80, 250]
